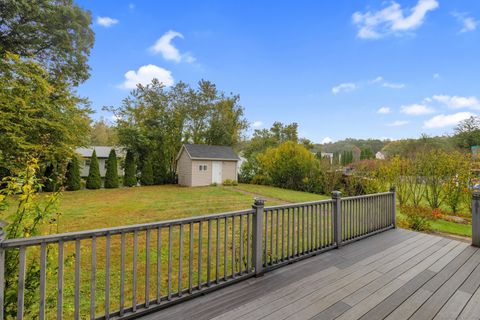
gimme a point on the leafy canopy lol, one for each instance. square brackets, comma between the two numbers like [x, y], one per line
[55, 33]
[38, 117]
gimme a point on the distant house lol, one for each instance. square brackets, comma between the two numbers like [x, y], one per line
[202, 165]
[380, 155]
[102, 155]
[328, 155]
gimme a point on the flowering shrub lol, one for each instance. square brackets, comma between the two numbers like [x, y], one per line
[418, 218]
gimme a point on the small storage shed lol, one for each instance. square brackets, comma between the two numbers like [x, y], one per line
[202, 165]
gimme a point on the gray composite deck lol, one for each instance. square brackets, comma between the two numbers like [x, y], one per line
[396, 274]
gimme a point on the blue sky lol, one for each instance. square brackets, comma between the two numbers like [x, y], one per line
[362, 69]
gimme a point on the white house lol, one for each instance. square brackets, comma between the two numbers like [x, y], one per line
[328, 155]
[380, 155]
[102, 156]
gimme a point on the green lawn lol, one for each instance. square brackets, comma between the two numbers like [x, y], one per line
[89, 209]
[92, 209]
[443, 226]
[452, 228]
[282, 194]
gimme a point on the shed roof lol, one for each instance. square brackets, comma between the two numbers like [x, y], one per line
[102, 151]
[205, 151]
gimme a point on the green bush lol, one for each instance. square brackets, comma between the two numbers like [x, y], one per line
[130, 177]
[290, 166]
[146, 177]
[72, 176]
[94, 181]
[248, 170]
[230, 182]
[418, 218]
[111, 176]
[50, 179]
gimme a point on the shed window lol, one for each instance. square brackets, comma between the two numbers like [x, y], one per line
[87, 163]
[202, 167]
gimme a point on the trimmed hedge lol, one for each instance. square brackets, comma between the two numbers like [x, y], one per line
[130, 177]
[111, 176]
[94, 181]
[146, 177]
[73, 181]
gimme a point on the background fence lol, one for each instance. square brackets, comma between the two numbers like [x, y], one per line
[127, 271]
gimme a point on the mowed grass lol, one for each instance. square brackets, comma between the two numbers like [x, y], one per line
[281, 194]
[93, 209]
[443, 226]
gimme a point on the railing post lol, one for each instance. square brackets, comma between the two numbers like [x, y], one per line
[337, 218]
[3, 224]
[257, 240]
[393, 190]
[476, 219]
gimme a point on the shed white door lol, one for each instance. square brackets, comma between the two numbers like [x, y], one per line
[216, 171]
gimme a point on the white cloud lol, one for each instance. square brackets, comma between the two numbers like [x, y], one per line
[380, 80]
[344, 87]
[398, 123]
[168, 51]
[458, 102]
[391, 19]
[416, 109]
[446, 120]
[106, 21]
[257, 124]
[145, 74]
[393, 85]
[384, 110]
[327, 140]
[350, 86]
[468, 23]
[436, 76]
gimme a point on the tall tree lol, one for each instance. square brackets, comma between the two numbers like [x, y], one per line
[277, 134]
[72, 176]
[38, 116]
[130, 177]
[226, 123]
[102, 134]
[111, 176]
[94, 180]
[55, 33]
[146, 177]
[467, 132]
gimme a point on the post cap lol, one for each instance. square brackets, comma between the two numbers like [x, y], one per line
[476, 195]
[258, 201]
[336, 194]
[393, 189]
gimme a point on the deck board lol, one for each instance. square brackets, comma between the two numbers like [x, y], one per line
[396, 274]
